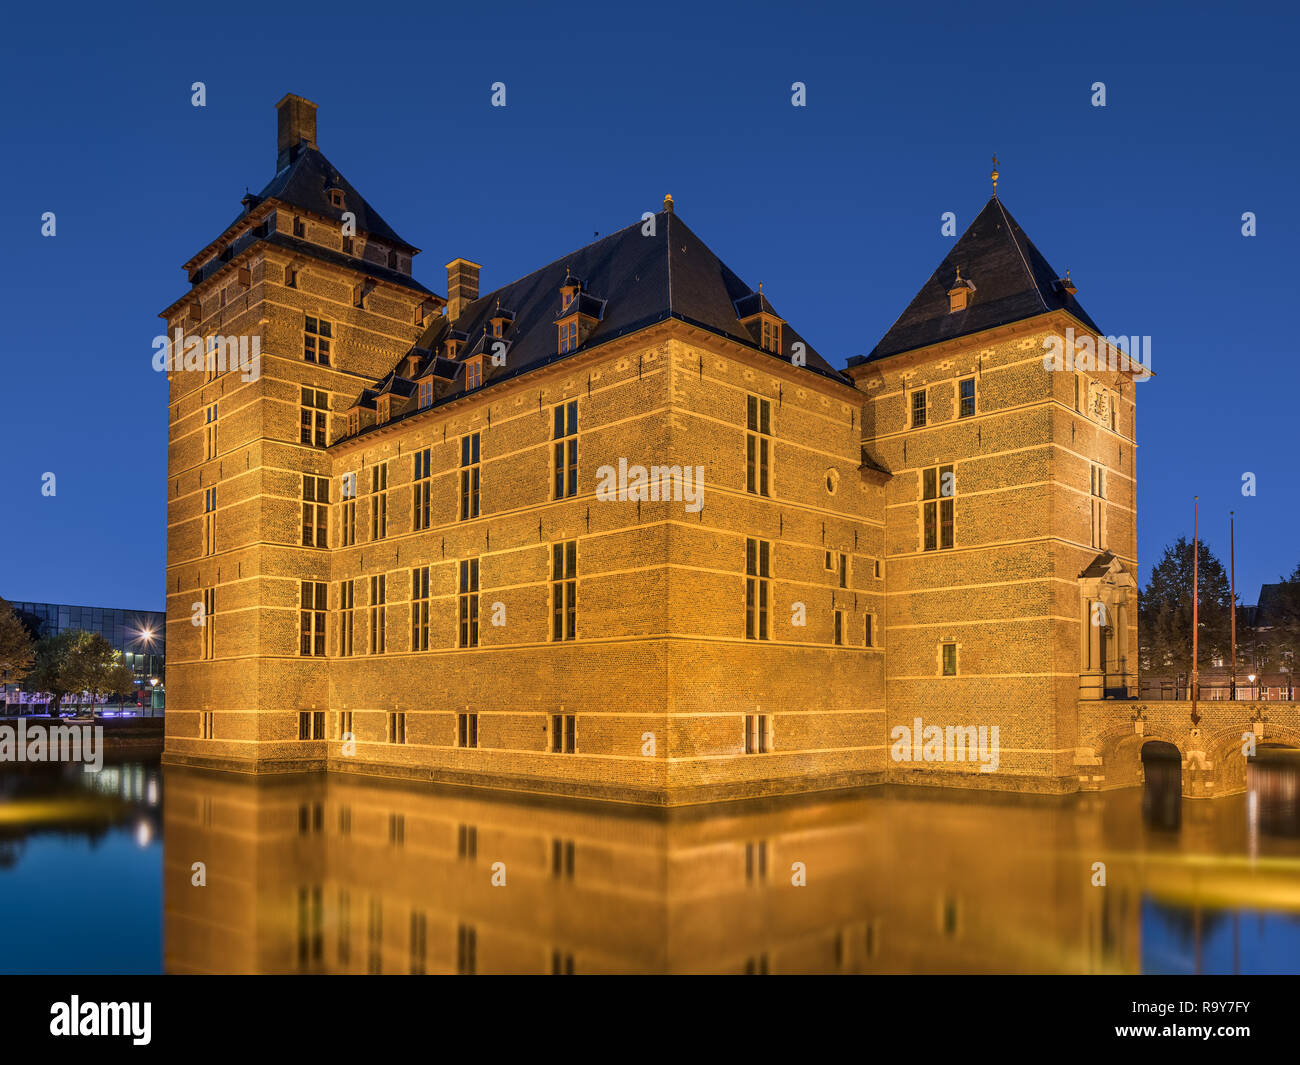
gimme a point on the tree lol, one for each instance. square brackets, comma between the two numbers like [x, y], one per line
[92, 665]
[17, 650]
[1275, 645]
[1165, 611]
[47, 674]
[121, 680]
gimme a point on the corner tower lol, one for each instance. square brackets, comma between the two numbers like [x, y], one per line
[1010, 516]
[313, 289]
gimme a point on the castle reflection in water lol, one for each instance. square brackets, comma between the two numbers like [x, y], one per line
[360, 876]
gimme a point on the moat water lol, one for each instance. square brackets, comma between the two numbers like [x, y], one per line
[140, 870]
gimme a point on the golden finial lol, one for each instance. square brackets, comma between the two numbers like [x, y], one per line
[959, 273]
[760, 287]
[995, 173]
[668, 203]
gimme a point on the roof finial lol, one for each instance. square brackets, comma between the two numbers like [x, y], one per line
[959, 273]
[995, 173]
[668, 203]
[760, 287]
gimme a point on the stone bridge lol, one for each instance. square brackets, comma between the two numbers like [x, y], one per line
[1112, 733]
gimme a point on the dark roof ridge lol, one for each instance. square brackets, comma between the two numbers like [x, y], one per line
[1011, 230]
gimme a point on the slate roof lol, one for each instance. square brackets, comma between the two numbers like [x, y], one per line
[1099, 566]
[1012, 280]
[305, 182]
[640, 281]
[1272, 609]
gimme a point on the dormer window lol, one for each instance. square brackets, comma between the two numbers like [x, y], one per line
[336, 197]
[453, 348]
[496, 326]
[347, 245]
[392, 259]
[960, 293]
[771, 335]
[299, 230]
[569, 289]
[568, 298]
[474, 373]
[383, 408]
[424, 393]
[354, 424]
[568, 336]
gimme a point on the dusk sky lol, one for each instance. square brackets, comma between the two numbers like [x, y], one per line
[835, 206]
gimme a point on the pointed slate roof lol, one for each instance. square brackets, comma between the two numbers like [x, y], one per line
[1012, 280]
[305, 182]
[640, 280]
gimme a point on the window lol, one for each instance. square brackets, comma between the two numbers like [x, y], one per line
[758, 446]
[467, 598]
[467, 843]
[562, 858]
[299, 230]
[383, 409]
[345, 730]
[420, 609]
[467, 730]
[474, 373]
[949, 659]
[210, 433]
[469, 476]
[315, 407]
[966, 397]
[564, 590]
[315, 511]
[424, 393]
[466, 950]
[758, 556]
[311, 724]
[209, 623]
[290, 277]
[348, 245]
[1098, 488]
[771, 335]
[420, 475]
[937, 512]
[210, 520]
[206, 724]
[839, 628]
[568, 336]
[378, 612]
[870, 634]
[379, 501]
[563, 733]
[316, 337]
[758, 733]
[397, 727]
[756, 871]
[918, 409]
[496, 327]
[336, 197]
[312, 605]
[566, 449]
[844, 570]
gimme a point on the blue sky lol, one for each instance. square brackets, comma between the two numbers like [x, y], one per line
[835, 207]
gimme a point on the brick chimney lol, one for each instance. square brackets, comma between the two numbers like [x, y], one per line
[295, 125]
[462, 286]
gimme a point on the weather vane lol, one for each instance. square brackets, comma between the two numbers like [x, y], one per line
[995, 173]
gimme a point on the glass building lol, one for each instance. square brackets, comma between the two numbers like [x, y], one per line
[139, 634]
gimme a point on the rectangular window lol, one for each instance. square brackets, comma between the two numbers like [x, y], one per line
[210, 520]
[379, 501]
[564, 590]
[938, 486]
[316, 337]
[966, 395]
[468, 602]
[311, 724]
[209, 623]
[424, 393]
[566, 449]
[1098, 489]
[378, 612]
[758, 571]
[758, 733]
[771, 335]
[949, 659]
[315, 412]
[420, 477]
[467, 730]
[469, 476]
[563, 852]
[315, 511]
[345, 731]
[467, 843]
[420, 609]
[839, 628]
[473, 374]
[563, 733]
[870, 635]
[207, 724]
[758, 446]
[844, 570]
[568, 336]
[397, 727]
[312, 606]
[918, 408]
[210, 432]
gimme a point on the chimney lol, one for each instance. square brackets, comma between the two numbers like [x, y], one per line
[296, 125]
[462, 286]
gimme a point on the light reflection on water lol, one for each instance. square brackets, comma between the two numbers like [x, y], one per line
[355, 875]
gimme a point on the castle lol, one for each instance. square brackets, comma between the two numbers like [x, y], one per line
[617, 530]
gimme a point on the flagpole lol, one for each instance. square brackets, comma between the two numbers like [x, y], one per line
[1196, 598]
[1232, 556]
